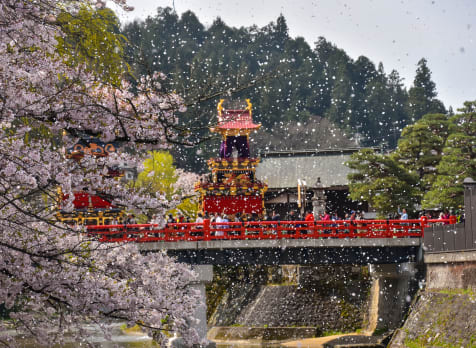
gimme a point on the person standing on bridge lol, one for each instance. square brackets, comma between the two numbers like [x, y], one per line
[291, 216]
[309, 219]
[199, 219]
[403, 214]
[309, 216]
[170, 219]
[218, 220]
[213, 217]
[327, 218]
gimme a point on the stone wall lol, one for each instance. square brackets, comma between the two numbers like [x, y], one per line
[330, 298]
[232, 289]
[444, 315]
[451, 270]
[291, 305]
[440, 318]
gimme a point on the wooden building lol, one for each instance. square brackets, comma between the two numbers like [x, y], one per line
[306, 180]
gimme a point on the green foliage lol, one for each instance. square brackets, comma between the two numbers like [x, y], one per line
[159, 175]
[420, 148]
[303, 81]
[457, 162]
[92, 38]
[433, 339]
[471, 293]
[422, 96]
[381, 181]
[332, 333]
[433, 157]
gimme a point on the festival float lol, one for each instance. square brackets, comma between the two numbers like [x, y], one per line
[232, 186]
[91, 209]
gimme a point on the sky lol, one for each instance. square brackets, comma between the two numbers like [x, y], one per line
[397, 33]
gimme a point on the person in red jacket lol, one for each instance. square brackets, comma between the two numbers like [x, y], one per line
[310, 219]
[309, 216]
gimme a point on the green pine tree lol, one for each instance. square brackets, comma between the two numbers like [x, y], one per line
[381, 181]
[457, 162]
[422, 95]
[420, 148]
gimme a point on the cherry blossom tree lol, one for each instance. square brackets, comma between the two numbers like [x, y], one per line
[53, 279]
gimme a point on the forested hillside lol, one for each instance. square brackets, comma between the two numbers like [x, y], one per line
[287, 79]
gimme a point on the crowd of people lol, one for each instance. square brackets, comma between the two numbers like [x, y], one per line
[325, 220]
[293, 215]
[309, 216]
[444, 215]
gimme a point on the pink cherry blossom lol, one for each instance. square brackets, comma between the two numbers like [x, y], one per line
[53, 278]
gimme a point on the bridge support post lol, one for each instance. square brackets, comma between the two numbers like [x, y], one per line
[205, 275]
[394, 286]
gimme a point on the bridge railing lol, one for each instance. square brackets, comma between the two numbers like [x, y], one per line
[262, 230]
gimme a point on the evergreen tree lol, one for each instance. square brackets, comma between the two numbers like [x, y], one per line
[381, 181]
[341, 106]
[420, 148]
[373, 107]
[295, 81]
[422, 95]
[281, 31]
[457, 162]
[398, 99]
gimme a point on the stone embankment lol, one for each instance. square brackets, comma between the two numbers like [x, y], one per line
[440, 318]
[316, 300]
[322, 300]
[444, 315]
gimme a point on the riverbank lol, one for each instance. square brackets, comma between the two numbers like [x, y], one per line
[265, 337]
[350, 339]
[251, 309]
[440, 318]
[120, 337]
[314, 342]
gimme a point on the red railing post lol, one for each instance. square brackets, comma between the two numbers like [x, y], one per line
[206, 229]
[453, 220]
[423, 225]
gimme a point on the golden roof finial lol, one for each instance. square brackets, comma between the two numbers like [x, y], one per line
[249, 105]
[220, 106]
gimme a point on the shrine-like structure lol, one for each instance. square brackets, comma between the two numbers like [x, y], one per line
[91, 209]
[232, 186]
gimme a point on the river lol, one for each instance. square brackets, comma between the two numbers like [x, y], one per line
[139, 340]
[118, 339]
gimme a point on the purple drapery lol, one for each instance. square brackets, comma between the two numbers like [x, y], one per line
[240, 143]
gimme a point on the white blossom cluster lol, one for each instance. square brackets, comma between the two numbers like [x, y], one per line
[53, 279]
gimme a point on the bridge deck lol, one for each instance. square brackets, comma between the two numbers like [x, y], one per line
[283, 244]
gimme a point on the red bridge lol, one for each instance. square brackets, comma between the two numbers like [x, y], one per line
[264, 230]
[278, 243]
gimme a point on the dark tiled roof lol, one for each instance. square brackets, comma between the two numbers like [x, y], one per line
[282, 169]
